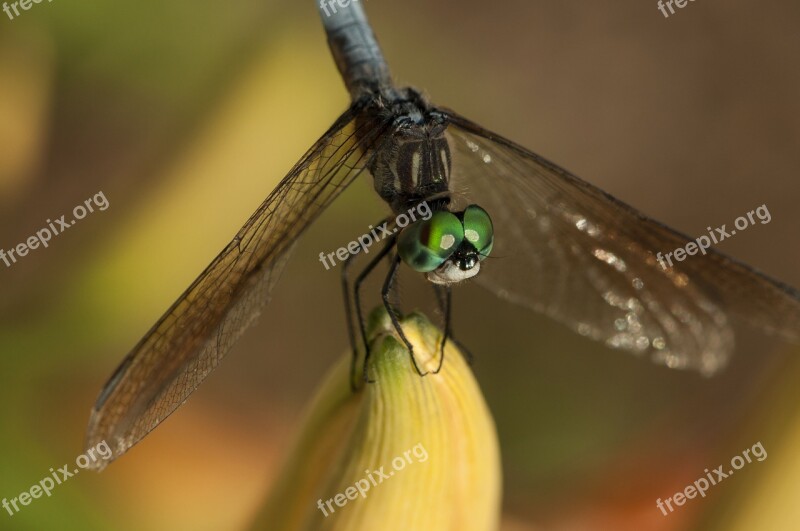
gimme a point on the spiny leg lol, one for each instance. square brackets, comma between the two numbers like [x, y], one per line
[387, 288]
[445, 300]
[357, 295]
[348, 312]
[444, 297]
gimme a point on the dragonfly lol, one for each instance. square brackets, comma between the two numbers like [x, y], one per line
[501, 216]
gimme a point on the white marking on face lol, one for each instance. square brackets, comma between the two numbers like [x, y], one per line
[471, 235]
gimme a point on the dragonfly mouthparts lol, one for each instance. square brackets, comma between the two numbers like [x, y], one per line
[466, 261]
[450, 273]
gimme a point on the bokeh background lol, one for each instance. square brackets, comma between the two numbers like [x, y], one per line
[186, 114]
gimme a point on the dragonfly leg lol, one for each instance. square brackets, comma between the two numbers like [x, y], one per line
[348, 313]
[359, 312]
[387, 288]
[444, 297]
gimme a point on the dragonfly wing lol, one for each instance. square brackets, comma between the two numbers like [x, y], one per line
[574, 252]
[195, 333]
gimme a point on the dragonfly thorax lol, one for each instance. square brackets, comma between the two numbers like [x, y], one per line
[410, 167]
[414, 162]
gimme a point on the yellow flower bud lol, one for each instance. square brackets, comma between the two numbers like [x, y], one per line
[403, 453]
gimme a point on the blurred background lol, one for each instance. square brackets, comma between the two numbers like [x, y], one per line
[187, 114]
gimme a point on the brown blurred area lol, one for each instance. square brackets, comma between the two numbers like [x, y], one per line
[187, 115]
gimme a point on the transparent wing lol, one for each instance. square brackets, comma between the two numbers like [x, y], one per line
[193, 336]
[572, 251]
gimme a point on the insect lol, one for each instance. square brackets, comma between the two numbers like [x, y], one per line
[568, 249]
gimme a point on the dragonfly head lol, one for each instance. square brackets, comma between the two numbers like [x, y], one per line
[448, 246]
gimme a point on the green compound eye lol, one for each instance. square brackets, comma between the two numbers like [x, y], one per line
[478, 230]
[426, 244]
